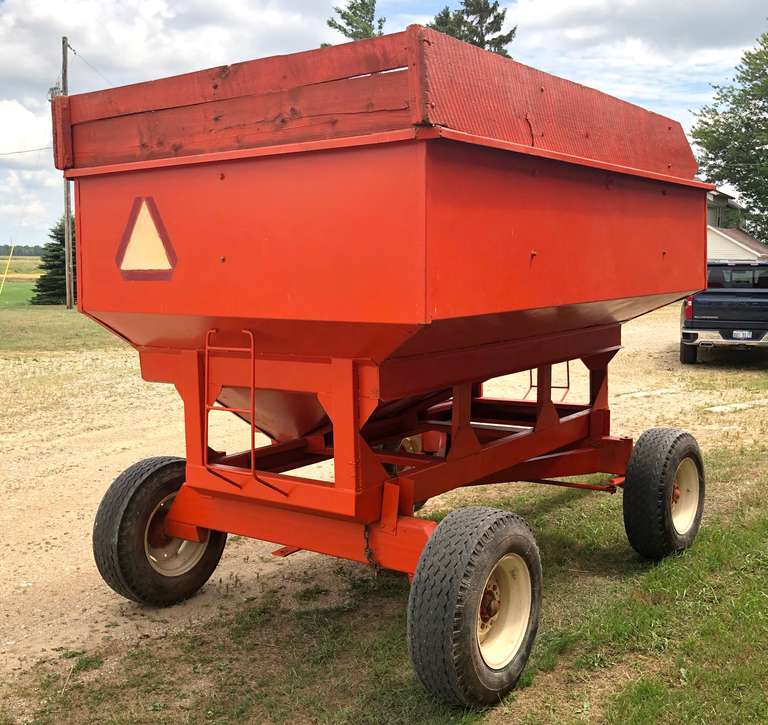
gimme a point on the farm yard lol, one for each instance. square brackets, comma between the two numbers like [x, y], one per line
[349, 227]
[311, 639]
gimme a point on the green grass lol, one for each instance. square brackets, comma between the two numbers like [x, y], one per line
[715, 604]
[16, 293]
[690, 634]
[45, 328]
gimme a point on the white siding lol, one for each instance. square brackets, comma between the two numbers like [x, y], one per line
[720, 247]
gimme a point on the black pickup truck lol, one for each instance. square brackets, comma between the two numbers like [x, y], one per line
[731, 312]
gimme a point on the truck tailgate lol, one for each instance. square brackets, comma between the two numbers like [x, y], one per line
[731, 306]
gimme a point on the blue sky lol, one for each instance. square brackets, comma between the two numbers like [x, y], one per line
[661, 54]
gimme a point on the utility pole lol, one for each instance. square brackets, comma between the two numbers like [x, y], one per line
[67, 196]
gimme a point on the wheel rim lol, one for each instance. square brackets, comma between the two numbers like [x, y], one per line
[505, 608]
[168, 555]
[685, 496]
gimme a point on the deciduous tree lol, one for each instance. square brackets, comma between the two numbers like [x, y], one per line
[732, 133]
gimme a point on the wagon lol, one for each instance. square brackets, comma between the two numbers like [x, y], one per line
[340, 247]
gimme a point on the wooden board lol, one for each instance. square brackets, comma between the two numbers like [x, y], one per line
[254, 77]
[413, 79]
[335, 109]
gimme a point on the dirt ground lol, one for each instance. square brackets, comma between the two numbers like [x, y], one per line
[73, 421]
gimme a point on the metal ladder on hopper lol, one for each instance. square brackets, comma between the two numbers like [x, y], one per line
[210, 407]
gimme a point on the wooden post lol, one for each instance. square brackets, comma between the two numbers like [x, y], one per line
[68, 276]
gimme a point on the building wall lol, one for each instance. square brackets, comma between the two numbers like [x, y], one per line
[720, 247]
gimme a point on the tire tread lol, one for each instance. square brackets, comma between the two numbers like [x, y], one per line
[434, 607]
[645, 490]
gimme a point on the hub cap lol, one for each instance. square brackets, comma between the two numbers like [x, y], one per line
[167, 555]
[505, 609]
[685, 496]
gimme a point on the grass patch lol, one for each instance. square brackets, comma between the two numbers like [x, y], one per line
[709, 616]
[48, 328]
[16, 293]
[719, 370]
[689, 633]
[342, 664]
[45, 328]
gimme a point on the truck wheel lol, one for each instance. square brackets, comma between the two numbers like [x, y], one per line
[133, 554]
[473, 610]
[689, 354]
[663, 492]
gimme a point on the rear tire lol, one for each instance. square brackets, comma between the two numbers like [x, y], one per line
[473, 610]
[133, 554]
[689, 354]
[663, 493]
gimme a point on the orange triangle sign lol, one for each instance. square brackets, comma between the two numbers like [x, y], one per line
[145, 250]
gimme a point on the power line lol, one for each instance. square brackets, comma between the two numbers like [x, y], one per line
[25, 151]
[90, 65]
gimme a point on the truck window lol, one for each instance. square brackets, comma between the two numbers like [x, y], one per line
[737, 278]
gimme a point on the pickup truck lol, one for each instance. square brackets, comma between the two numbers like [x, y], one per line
[731, 312]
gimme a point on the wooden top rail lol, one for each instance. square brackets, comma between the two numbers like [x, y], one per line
[417, 77]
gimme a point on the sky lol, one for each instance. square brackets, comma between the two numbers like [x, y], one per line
[661, 54]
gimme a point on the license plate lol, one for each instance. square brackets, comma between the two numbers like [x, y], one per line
[742, 334]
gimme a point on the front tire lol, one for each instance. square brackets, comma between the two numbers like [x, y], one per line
[132, 552]
[663, 492]
[473, 610]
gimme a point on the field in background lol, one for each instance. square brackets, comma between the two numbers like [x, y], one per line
[44, 328]
[311, 639]
[27, 266]
[20, 280]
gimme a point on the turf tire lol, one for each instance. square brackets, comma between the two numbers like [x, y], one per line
[444, 604]
[648, 491]
[119, 530]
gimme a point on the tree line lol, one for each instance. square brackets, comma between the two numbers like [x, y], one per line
[21, 250]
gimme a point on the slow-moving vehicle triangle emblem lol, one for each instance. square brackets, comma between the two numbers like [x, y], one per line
[145, 250]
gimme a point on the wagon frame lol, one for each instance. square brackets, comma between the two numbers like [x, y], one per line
[392, 272]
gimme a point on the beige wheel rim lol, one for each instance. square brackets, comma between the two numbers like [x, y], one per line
[167, 555]
[505, 608]
[685, 496]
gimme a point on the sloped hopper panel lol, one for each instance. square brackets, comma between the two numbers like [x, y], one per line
[280, 415]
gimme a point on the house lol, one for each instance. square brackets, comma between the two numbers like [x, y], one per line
[725, 237]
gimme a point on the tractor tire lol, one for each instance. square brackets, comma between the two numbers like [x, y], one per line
[473, 610]
[689, 354]
[663, 493]
[133, 554]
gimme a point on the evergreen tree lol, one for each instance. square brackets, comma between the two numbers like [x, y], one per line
[357, 20]
[732, 133]
[50, 288]
[450, 22]
[478, 22]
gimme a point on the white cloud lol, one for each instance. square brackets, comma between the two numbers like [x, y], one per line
[660, 53]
